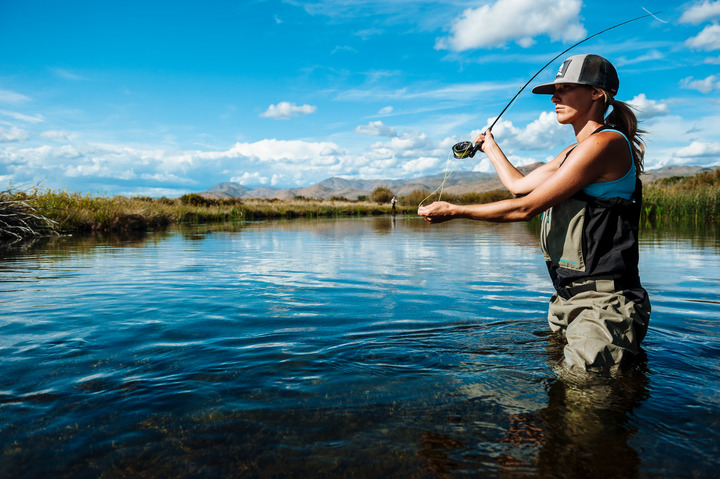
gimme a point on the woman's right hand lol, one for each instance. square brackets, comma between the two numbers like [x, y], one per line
[484, 139]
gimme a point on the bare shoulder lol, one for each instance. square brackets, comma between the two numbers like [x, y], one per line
[605, 154]
[604, 143]
[610, 137]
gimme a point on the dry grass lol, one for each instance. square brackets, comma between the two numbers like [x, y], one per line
[19, 219]
[66, 212]
[693, 200]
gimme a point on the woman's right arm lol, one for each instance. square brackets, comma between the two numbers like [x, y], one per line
[514, 180]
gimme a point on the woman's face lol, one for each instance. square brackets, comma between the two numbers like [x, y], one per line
[572, 101]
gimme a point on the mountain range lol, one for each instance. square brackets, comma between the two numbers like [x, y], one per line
[459, 182]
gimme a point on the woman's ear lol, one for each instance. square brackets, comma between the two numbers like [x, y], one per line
[597, 94]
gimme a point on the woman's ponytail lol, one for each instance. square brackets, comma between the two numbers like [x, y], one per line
[623, 118]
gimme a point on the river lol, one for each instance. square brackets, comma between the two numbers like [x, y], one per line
[372, 347]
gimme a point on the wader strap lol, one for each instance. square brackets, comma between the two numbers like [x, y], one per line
[605, 285]
[570, 291]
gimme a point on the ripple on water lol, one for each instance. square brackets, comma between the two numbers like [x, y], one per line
[347, 347]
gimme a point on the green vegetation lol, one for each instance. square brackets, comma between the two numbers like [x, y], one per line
[672, 201]
[692, 200]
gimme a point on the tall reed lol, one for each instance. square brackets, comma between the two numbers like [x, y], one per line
[694, 199]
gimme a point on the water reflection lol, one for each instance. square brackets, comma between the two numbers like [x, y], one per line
[587, 424]
[585, 429]
[371, 347]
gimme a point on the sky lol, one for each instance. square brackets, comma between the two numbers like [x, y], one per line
[162, 98]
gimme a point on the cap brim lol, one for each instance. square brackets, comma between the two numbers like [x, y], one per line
[545, 89]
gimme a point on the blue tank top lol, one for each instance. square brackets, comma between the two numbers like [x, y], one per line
[620, 188]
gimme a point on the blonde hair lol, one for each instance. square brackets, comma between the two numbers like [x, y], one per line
[623, 119]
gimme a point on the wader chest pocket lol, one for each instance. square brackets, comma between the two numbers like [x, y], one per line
[561, 235]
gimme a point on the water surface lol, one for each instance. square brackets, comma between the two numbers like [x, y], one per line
[332, 348]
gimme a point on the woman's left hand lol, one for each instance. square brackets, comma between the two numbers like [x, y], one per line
[437, 212]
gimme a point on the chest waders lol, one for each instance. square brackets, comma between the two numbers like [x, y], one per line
[590, 246]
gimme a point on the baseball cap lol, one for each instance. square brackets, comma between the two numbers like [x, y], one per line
[586, 69]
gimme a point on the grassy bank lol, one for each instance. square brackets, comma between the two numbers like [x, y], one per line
[687, 201]
[73, 212]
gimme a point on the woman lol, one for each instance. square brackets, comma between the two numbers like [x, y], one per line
[590, 195]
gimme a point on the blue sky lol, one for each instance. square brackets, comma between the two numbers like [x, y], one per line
[168, 97]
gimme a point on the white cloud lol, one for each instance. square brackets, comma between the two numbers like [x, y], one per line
[646, 108]
[421, 165]
[13, 134]
[705, 86]
[485, 166]
[113, 169]
[103, 167]
[57, 135]
[386, 110]
[405, 155]
[376, 128]
[343, 48]
[368, 32]
[520, 21]
[646, 57]
[458, 91]
[699, 149]
[285, 110]
[707, 40]
[700, 12]
[248, 178]
[68, 75]
[409, 144]
[542, 134]
[7, 96]
[85, 166]
[23, 117]
[274, 151]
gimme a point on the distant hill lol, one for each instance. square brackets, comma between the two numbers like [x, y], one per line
[227, 190]
[669, 171]
[460, 182]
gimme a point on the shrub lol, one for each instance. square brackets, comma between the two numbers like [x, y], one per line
[194, 199]
[415, 197]
[476, 198]
[381, 194]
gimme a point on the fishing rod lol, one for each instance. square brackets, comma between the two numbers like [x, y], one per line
[467, 149]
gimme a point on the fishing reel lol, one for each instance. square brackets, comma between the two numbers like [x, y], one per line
[465, 149]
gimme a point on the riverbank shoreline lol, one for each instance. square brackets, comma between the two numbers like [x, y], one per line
[678, 200]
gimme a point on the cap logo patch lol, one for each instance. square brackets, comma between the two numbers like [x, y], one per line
[563, 69]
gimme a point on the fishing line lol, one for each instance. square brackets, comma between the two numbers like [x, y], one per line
[447, 174]
[653, 15]
[467, 149]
